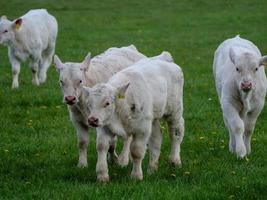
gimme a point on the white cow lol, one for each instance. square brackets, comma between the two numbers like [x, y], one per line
[131, 103]
[241, 86]
[32, 36]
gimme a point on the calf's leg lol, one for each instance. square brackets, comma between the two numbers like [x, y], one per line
[102, 147]
[123, 159]
[236, 128]
[112, 149]
[231, 137]
[250, 122]
[138, 148]
[15, 73]
[154, 146]
[82, 140]
[176, 132]
[34, 65]
[45, 63]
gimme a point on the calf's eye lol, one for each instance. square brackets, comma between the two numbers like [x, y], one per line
[5, 31]
[80, 81]
[256, 69]
[106, 104]
[61, 82]
[237, 69]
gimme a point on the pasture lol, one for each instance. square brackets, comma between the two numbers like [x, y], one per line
[38, 153]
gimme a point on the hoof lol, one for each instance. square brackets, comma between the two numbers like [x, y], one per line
[241, 152]
[15, 85]
[231, 148]
[152, 169]
[103, 178]
[137, 176]
[82, 165]
[176, 162]
[123, 161]
[42, 79]
[35, 82]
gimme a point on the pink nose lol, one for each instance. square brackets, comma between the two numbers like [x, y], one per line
[246, 85]
[92, 121]
[70, 99]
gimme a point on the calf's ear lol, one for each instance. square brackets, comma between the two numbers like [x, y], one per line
[59, 65]
[86, 62]
[232, 55]
[17, 23]
[120, 91]
[263, 61]
[165, 55]
[4, 17]
[87, 89]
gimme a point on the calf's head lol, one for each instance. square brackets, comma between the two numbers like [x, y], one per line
[8, 29]
[72, 78]
[101, 103]
[247, 67]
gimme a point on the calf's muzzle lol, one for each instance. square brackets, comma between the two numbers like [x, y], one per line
[93, 121]
[246, 86]
[70, 100]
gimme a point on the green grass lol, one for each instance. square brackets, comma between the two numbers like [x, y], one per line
[38, 153]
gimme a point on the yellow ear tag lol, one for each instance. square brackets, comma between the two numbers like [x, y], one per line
[17, 26]
[120, 96]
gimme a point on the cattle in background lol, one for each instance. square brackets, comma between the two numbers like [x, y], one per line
[32, 36]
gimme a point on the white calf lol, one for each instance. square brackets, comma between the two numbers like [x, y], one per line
[241, 86]
[31, 36]
[131, 103]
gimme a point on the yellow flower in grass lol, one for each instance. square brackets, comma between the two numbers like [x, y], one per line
[187, 173]
[233, 172]
[231, 196]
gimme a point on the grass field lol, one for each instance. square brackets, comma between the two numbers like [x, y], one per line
[38, 152]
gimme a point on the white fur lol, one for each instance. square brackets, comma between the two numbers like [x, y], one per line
[35, 39]
[131, 103]
[236, 60]
[91, 71]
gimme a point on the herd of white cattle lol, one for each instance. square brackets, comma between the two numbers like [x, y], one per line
[124, 93]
